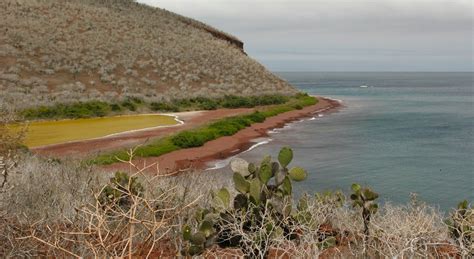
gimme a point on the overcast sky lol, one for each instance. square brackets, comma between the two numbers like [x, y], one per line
[338, 35]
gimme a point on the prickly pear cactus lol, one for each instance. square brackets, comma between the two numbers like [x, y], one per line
[365, 199]
[270, 181]
[199, 240]
[461, 225]
[117, 194]
[263, 190]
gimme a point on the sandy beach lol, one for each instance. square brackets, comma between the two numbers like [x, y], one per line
[221, 148]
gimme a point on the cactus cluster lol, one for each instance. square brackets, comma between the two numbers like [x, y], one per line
[206, 220]
[365, 199]
[270, 181]
[261, 189]
[117, 194]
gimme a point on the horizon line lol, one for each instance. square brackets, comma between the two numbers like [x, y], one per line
[362, 71]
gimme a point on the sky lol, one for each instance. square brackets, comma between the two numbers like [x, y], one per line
[343, 35]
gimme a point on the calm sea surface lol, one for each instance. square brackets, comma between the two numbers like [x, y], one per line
[403, 133]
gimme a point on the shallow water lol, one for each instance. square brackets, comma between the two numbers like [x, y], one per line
[403, 133]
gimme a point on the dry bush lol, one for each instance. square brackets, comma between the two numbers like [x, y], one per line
[413, 230]
[41, 193]
[52, 208]
[57, 209]
[301, 239]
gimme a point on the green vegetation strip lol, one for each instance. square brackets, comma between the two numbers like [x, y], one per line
[197, 137]
[92, 109]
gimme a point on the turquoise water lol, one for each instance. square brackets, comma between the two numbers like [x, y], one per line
[404, 133]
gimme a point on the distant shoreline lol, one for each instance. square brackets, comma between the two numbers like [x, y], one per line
[224, 147]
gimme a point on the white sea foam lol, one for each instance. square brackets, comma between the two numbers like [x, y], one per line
[224, 162]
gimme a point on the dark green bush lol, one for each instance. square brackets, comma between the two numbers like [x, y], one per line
[208, 105]
[197, 138]
[256, 117]
[161, 106]
[115, 107]
[298, 106]
[229, 126]
[75, 110]
[232, 101]
[129, 105]
[157, 148]
[268, 100]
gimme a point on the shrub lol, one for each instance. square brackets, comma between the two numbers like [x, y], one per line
[115, 107]
[197, 138]
[160, 106]
[230, 126]
[207, 104]
[129, 105]
[232, 101]
[157, 148]
[269, 99]
[298, 107]
[256, 117]
[74, 110]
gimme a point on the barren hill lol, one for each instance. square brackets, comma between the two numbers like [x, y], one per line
[77, 50]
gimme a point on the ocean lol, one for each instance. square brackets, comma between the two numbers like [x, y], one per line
[399, 133]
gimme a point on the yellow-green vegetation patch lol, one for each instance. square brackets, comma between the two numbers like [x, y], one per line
[43, 133]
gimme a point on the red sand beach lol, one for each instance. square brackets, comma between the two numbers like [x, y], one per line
[196, 158]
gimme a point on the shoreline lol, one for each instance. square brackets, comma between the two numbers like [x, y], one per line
[219, 149]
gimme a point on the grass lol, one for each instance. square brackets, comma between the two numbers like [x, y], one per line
[198, 137]
[52, 132]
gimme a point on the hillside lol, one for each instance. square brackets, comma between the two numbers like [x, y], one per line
[65, 51]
